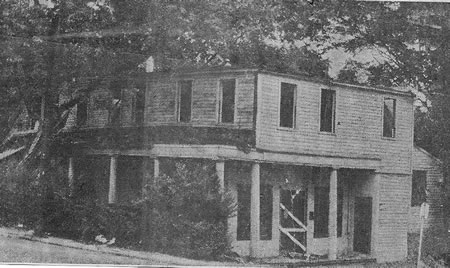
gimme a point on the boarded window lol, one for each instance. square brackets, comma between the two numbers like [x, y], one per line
[419, 185]
[228, 89]
[243, 212]
[327, 110]
[266, 205]
[321, 208]
[81, 113]
[287, 105]
[184, 101]
[389, 118]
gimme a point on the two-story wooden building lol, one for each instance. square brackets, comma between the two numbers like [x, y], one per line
[317, 166]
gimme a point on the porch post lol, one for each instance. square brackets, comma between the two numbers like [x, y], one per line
[332, 217]
[310, 220]
[220, 170]
[254, 210]
[156, 167]
[70, 175]
[112, 195]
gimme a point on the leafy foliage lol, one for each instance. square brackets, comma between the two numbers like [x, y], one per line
[189, 212]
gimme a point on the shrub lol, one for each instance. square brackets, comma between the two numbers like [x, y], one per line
[188, 214]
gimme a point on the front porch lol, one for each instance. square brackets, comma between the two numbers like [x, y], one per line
[316, 212]
[323, 212]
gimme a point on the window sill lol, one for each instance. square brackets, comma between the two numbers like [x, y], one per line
[288, 129]
[327, 133]
[389, 138]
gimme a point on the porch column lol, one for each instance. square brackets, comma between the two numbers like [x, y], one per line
[156, 167]
[70, 175]
[332, 217]
[310, 220]
[254, 210]
[112, 195]
[220, 170]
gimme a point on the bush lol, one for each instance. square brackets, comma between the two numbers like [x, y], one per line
[184, 213]
[188, 214]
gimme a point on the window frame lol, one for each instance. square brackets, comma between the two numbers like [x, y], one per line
[220, 101]
[333, 113]
[294, 108]
[394, 129]
[178, 101]
[81, 104]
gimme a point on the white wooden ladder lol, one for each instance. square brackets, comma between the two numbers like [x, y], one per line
[288, 231]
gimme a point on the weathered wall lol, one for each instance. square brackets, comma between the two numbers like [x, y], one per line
[424, 161]
[394, 196]
[358, 123]
[161, 99]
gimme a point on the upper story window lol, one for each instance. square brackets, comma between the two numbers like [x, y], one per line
[327, 110]
[114, 112]
[81, 113]
[287, 105]
[227, 100]
[419, 186]
[389, 117]
[184, 101]
[138, 108]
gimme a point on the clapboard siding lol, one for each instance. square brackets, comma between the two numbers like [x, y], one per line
[161, 99]
[358, 124]
[426, 162]
[393, 216]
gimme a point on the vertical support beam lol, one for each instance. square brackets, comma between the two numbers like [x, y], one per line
[220, 170]
[112, 194]
[375, 214]
[276, 217]
[332, 217]
[156, 167]
[310, 221]
[71, 175]
[255, 210]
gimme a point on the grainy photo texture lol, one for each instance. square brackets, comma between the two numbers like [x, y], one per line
[224, 133]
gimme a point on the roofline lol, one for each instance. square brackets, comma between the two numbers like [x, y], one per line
[304, 77]
[428, 154]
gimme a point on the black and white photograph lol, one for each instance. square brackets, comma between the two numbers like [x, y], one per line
[226, 133]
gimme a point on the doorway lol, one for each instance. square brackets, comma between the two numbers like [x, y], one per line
[363, 225]
[293, 220]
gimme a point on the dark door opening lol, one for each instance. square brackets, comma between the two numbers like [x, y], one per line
[295, 202]
[363, 224]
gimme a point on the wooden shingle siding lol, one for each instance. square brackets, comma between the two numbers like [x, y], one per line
[358, 124]
[435, 194]
[162, 94]
[393, 216]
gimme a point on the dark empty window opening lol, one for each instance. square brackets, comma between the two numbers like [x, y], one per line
[81, 113]
[321, 209]
[389, 118]
[243, 212]
[419, 186]
[287, 105]
[139, 107]
[184, 101]
[117, 95]
[228, 89]
[327, 110]
[266, 206]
